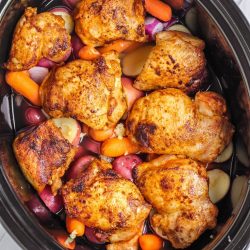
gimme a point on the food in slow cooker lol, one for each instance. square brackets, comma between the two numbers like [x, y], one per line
[99, 22]
[103, 200]
[44, 155]
[177, 188]
[37, 36]
[92, 157]
[170, 122]
[176, 61]
[89, 91]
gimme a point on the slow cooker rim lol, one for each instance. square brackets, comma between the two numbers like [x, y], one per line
[226, 11]
[14, 223]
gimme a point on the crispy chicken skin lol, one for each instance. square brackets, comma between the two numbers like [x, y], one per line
[182, 208]
[89, 91]
[169, 122]
[102, 200]
[98, 22]
[177, 61]
[43, 155]
[37, 36]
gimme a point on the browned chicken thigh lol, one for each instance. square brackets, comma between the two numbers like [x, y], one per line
[177, 61]
[177, 188]
[169, 122]
[89, 91]
[110, 204]
[43, 155]
[98, 22]
[37, 36]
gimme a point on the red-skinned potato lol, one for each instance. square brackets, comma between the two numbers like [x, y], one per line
[81, 151]
[53, 202]
[90, 234]
[131, 93]
[124, 165]
[91, 145]
[70, 129]
[36, 206]
[79, 166]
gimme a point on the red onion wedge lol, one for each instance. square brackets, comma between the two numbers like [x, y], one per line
[154, 26]
[54, 203]
[79, 166]
[41, 212]
[38, 74]
[91, 145]
[66, 15]
[124, 165]
[34, 116]
[76, 44]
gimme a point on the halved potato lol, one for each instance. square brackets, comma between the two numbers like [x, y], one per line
[133, 62]
[70, 128]
[226, 154]
[191, 20]
[241, 153]
[179, 27]
[219, 183]
[237, 187]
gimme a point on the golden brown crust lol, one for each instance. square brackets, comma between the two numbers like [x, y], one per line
[89, 91]
[177, 188]
[177, 61]
[169, 122]
[43, 155]
[104, 201]
[98, 22]
[37, 36]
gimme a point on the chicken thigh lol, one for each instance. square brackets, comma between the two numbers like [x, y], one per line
[37, 36]
[98, 22]
[177, 188]
[43, 155]
[89, 91]
[110, 204]
[177, 61]
[169, 122]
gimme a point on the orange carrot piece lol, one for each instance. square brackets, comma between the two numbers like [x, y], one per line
[62, 238]
[75, 226]
[159, 9]
[23, 84]
[88, 53]
[118, 45]
[150, 242]
[114, 147]
[101, 135]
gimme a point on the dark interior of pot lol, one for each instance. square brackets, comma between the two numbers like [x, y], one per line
[227, 56]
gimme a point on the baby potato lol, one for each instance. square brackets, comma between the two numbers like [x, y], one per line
[133, 62]
[70, 129]
[237, 187]
[219, 183]
[179, 27]
[226, 154]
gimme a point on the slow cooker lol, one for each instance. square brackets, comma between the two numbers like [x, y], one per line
[227, 36]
